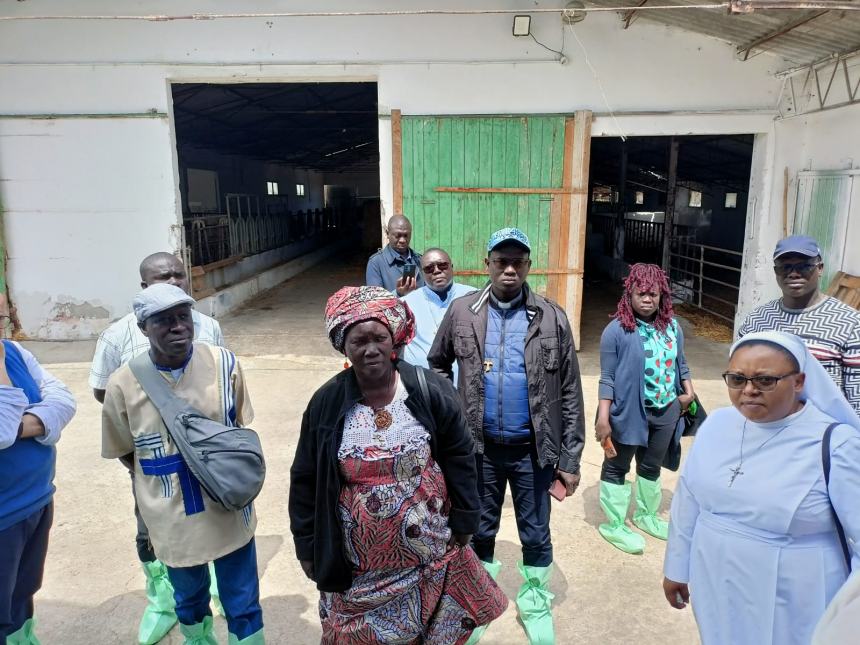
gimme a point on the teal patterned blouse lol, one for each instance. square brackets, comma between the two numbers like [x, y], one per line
[661, 352]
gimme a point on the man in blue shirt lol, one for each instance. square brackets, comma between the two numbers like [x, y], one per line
[430, 302]
[385, 268]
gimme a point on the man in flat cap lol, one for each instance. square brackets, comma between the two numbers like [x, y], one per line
[828, 327]
[186, 528]
[520, 387]
[117, 345]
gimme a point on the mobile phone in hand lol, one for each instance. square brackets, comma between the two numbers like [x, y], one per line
[408, 271]
[558, 490]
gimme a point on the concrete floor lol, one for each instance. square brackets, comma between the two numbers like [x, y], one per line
[93, 588]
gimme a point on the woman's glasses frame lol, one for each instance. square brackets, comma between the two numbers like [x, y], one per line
[763, 382]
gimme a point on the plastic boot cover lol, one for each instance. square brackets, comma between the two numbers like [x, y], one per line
[614, 500]
[534, 603]
[213, 591]
[254, 639]
[648, 497]
[493, 569]
[199, 633]
[159, 616]
[24, 636]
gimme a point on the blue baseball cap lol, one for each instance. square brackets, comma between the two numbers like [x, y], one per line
[802, 244]
[508, 235]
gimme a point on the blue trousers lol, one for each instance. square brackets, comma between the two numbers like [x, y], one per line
[517, 465]
[23, 547]
[238, 586]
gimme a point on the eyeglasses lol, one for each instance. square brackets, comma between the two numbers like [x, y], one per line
[804, 268]
[432, 267]
[763, 383]
[504, 263]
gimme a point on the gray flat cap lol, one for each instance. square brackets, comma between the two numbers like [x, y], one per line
[157, 298]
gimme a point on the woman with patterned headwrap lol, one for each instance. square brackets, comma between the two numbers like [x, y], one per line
[644, 389]
[383, 493]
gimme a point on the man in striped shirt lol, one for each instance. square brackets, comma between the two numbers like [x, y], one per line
[829, 327]
[116, 346]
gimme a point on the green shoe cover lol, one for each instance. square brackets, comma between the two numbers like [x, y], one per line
[24, 636]
[254, 639]
[159, 617]
[648, 497]
[199, 633]
[614, 500]
[493, 568]
[213, 591]
[534, 604]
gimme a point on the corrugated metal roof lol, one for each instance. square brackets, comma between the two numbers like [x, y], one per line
[825, 33]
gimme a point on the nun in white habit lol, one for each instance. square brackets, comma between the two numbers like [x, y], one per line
[753, 544]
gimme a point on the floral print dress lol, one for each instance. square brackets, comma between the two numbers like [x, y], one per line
[408, 585]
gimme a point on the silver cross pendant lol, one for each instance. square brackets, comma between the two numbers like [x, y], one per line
[735, 472]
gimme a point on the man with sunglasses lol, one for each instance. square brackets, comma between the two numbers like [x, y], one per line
[521, 391]
[430, 302]
[829, 327]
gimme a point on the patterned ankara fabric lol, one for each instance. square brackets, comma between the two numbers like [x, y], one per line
[351, 305]
[408, 586]
[831, 331]
[661, 352]
[508, 235]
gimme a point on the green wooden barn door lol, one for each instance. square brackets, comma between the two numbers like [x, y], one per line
[481, 152]
[823, 203]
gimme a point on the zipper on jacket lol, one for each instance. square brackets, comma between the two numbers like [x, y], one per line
[502, 374]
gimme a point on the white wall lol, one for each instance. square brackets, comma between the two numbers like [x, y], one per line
[124, 170]
[822, 141]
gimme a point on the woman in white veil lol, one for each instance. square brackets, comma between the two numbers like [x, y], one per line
[753, 540]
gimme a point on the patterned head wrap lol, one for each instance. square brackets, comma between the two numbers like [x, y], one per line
[351, 305]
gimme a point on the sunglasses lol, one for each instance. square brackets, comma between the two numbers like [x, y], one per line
[762, 383]
[804, 268]
[432, 267]
[504, 263]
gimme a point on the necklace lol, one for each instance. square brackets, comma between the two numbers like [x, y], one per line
[736, 471]
[382, 418]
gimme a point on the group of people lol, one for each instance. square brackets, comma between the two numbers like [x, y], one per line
[449, 395]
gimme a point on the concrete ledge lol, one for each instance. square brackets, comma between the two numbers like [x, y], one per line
[233, 296]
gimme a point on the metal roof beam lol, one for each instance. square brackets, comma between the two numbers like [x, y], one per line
[744, 51]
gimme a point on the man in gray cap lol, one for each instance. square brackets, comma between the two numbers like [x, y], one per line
[520, 387]
[118, 344]
[187, 530]
[829, 327]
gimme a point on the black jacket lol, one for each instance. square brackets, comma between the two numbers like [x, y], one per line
[315, 481]
[554, 383]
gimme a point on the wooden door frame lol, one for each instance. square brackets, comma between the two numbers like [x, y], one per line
[567, 215]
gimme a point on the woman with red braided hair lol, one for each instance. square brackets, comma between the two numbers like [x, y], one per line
[644, 390]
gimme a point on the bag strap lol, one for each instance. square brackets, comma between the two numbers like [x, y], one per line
[825, 460]
[422, 383]
[156, 389]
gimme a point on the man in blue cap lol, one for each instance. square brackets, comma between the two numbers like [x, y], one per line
[829, 327]
[521, 390]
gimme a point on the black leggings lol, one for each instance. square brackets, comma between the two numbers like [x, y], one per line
[649, 459]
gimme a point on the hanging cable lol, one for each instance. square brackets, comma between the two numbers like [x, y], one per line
[549, 49]
[599, 83]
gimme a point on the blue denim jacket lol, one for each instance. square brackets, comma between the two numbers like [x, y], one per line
[386, 265]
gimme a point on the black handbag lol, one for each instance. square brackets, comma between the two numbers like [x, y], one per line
[672, 459]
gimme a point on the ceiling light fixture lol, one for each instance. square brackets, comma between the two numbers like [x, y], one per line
[522, 25]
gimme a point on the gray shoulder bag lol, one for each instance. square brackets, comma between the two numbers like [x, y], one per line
[227, 462]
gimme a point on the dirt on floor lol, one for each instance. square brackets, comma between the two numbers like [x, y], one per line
[93, 588]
